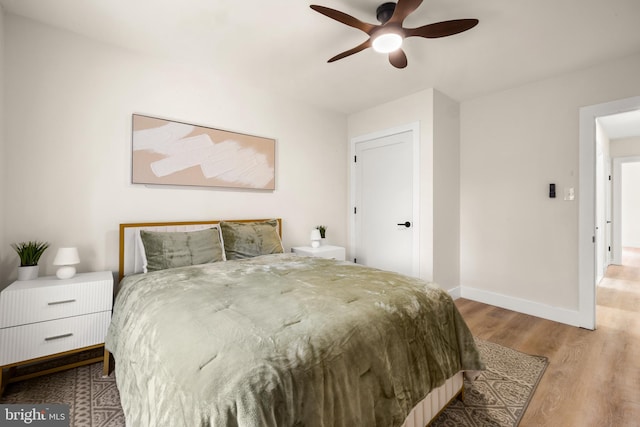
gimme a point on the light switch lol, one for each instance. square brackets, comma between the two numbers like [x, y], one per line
[569, 193]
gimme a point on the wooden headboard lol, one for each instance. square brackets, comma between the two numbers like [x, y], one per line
[129, 234]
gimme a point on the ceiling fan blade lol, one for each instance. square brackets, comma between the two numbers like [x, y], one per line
[403, 9]
[350, 52]
[441, 29]
[398, 59]
[344, 18]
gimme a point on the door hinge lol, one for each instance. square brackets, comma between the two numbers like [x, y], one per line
[355, 260]
[593, 239]
[609, 248]
[609, 177]
[355, 210]
[355, 159]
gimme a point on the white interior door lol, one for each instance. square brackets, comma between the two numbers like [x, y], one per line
[385, 203]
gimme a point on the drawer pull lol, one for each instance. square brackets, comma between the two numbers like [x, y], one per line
[58, 337]
[62, 302]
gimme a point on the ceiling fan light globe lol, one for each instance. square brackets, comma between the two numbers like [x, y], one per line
[388, 42]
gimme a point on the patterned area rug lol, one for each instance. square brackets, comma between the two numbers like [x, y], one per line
[93, 401]
[498, 397]
[501, 394]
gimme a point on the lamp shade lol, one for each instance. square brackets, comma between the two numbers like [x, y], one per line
[67, 256]
[315, 238]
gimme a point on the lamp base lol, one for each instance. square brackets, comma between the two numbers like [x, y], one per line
[315, 243]
[66, 272]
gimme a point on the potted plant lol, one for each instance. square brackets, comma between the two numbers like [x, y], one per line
[323, 232]
[29, 253]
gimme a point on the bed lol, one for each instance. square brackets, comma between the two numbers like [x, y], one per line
[259, 337]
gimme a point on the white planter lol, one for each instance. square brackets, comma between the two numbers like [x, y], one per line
[29, 272]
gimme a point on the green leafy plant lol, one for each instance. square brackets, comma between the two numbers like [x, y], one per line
[323, 230]
[29, 252]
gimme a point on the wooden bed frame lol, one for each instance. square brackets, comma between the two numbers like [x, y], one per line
[421, 415]
[128, 231]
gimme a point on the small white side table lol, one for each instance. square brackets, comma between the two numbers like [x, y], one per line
[325, 251]
[47, 317]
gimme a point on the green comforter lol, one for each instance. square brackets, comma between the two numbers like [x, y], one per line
[282, 340]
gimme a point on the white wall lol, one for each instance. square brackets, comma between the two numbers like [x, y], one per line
[68, 111]
[519, 248]
[602, 187]
[439, 167]
[620, 148]
[4, 244]
[630, 205]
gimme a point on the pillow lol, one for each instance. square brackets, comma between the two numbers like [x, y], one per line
[249, 239]
[139, 257]
[179, 249]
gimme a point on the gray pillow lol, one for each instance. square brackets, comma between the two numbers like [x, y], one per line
[249, 239]
[179, 249]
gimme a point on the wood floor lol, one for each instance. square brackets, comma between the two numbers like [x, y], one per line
[593, 378]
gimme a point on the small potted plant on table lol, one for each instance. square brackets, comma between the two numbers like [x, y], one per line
[323, 233]
[29, 253]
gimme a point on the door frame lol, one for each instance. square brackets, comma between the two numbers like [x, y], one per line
[414, 128]
[587, 205]
[616, 244]
[602, 172]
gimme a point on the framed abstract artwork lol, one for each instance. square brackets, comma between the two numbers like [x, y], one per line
[175, 153]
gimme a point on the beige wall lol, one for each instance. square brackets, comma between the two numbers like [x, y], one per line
[446, 191]
[625, 147]
[439, 144]
[519, 247]
[68, 127]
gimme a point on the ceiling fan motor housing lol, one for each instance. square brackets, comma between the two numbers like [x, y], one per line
[384, 12]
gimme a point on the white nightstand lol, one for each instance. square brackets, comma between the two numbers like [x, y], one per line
[325, 251]
[48, 317]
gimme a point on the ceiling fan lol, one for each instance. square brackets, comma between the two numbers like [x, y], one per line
[388, 36]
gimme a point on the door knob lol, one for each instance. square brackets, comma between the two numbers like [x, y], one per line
[406, 224]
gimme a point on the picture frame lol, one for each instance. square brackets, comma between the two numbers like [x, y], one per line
[168, 152]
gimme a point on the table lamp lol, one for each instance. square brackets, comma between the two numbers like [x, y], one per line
[66, 258]
[315, 238]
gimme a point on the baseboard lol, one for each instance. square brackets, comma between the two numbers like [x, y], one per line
[557, 314]
[455, 292]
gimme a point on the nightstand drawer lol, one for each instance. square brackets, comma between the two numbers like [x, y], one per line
[328, 251]
[49, 299]
[45, 338]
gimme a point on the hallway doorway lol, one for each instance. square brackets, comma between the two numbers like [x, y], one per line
[618, 294]
[631, 258]
[587, 226]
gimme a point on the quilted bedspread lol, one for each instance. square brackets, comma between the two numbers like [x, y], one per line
[282, 340]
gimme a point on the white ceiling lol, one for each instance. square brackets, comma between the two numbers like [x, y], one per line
[283, 45]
